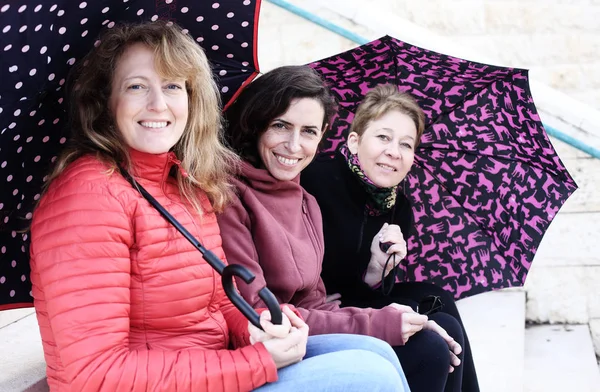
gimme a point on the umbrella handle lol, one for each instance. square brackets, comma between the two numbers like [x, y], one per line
[265, 294]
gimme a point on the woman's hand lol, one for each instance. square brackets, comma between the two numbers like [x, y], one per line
[412, 322]
[335, 298]
[269, 330]
[453, 345]
[388, 234]
[286, 342]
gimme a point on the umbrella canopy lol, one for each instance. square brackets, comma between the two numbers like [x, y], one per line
[41, 41]
[486, 181]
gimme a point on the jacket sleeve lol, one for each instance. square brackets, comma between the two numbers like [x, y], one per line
[321, 317]
[236, 233]
[404, 217]
[327, 317]
[239, 336]
[81, 240]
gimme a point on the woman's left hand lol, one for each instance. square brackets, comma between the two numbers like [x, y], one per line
[270, 330]
[453, 345]
[335, 298]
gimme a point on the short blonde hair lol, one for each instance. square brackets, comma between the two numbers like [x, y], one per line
[201, 149]
[383, 99]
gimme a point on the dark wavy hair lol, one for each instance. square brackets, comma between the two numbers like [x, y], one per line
[269, 97]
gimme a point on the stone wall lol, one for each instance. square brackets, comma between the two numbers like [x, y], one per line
[558, 40]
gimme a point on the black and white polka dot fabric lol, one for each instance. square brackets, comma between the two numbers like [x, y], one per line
[39, 43]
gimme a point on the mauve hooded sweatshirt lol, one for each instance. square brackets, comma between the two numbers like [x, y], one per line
[274, 228]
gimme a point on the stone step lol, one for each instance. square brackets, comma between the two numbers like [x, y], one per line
[492, 320]
[560, 358]
[21, 356]
[540, 358]
[495, 325]
[510, 18]
[8, 317]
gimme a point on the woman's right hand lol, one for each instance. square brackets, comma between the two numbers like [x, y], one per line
[286, 342]
[412, 322]
[390, 234]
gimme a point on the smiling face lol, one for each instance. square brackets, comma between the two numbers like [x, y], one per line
[290, 142]
[150, 112]
[386, 148]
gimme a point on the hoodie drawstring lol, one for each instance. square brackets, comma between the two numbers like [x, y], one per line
[177, 162]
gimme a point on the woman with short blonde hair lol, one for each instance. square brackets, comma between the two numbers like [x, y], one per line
[383, 99]
[362, 203]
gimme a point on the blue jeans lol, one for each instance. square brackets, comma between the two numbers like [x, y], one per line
[342, 363]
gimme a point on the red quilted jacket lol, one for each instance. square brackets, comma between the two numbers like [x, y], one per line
[123, 301]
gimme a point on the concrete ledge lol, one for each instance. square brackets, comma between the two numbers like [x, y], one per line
[284, 39]
[22, 357]
[550, 364]
[562, 294]
[571, 240]
[586, 173]
[495, 324]
[8, 317]
[595, 331]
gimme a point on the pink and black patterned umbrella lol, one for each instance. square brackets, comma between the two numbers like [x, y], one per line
[486, 182]
[40, 41]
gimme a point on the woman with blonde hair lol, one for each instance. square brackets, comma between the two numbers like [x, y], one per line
[123, 301]
[367, 220]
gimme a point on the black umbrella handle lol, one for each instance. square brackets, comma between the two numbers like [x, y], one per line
[265, 294]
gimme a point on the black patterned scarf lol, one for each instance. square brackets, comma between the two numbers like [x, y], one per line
[379, 200]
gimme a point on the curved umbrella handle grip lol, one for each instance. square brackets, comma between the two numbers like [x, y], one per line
[269, 299]
[265, 294]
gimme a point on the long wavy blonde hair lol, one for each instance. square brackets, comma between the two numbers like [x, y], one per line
[201, 149]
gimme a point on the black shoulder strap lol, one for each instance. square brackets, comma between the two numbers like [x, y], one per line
[227, 272]
[215, 262]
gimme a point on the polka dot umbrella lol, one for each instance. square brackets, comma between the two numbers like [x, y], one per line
[40, 41]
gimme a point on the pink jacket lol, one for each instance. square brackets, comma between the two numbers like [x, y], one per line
[275, 229]
[124, 302]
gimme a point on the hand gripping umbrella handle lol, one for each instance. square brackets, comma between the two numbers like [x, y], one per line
[265, 294]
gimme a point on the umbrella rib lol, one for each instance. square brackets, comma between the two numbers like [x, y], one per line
[519, 160]
[482, 87]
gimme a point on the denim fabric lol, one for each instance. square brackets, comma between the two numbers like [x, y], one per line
[343, 363]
